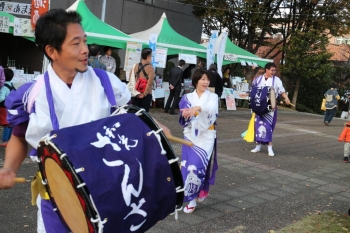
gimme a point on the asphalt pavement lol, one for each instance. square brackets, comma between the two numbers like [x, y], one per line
[254, 193]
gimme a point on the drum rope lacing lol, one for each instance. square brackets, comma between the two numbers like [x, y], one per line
[178, 190]
[120, 110]
[98, 218]
[156, 133]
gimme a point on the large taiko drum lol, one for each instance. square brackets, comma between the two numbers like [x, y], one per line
[117, 174]
[262, 100]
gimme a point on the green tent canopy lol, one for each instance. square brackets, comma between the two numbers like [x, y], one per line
[241, 54]
[11, 19]
[99, 32]
[170, 39]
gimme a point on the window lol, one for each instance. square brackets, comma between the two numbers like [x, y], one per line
[146, 1]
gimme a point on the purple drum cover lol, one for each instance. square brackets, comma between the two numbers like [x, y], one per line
[128, 177]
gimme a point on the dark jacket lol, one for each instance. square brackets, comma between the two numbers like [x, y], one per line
[216, 81]
[187, 73]
[175, 78]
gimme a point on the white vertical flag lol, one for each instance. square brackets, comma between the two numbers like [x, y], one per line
[221, 51]
[211, 48]
[153, 45]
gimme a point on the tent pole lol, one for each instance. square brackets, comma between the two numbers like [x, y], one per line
[103, 10]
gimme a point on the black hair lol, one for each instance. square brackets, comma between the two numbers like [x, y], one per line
[182, 62]
[51, 28]
[269, 65]
[198, 75]
[106, 48]
[212, 67]
[8, 74]
[94, 49]
[145, 53]
[333, 85]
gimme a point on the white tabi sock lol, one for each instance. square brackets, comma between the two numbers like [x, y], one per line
[269, 148]
[192, 203]
[257, 148]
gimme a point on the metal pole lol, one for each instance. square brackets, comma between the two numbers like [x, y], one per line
[103, 10]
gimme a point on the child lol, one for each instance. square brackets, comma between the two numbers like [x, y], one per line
[344, 105]
[345, 137]
[4, 91]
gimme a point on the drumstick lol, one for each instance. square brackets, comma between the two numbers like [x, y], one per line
[20, 180]
[179, 140]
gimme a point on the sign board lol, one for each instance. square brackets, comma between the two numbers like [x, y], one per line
[15, 8]
[160, 57]
[132, 55]
[230, 99]
[230, 57]
[22, 27]
[4, 24]
[188, 58]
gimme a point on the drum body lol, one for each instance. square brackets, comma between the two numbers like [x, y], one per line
[262, 100]
[117, 174]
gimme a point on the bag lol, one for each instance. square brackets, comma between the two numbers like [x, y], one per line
[323, 104]
[141, 83]
[10, 87]
[131, 83]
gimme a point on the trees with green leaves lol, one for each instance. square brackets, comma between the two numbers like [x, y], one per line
[307, 60]
[279, 26]
[252, 23]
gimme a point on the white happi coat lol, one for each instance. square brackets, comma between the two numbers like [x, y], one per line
[84, 102]
[197, 130]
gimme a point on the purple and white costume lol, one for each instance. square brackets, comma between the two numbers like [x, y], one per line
[264, 125]
[200, 131]
[84, 102]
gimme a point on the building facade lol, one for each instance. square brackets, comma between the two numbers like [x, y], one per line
[128, 16]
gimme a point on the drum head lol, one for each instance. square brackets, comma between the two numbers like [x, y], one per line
[65, 197]
[272, 98]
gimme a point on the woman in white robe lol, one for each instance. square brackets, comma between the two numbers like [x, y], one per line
[199, 111]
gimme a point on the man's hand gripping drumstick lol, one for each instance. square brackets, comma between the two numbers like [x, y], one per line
[172, 138]
[16, 152]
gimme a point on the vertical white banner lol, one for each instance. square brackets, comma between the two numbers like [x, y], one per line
[211, 48]
[152, 44]
[221, 52]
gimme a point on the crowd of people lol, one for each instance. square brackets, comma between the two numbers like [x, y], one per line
[75, 94]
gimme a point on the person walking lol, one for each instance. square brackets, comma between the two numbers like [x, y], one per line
[332, 98]
[175, 78]
[344, 105]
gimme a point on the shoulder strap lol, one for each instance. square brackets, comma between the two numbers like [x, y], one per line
[142, 67]
[107, 86]
[105, 82]
[10, 87]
